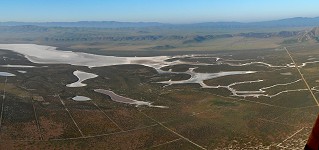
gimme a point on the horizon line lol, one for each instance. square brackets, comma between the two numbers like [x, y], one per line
[154, 21]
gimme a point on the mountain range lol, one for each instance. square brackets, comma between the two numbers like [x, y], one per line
[290, 22]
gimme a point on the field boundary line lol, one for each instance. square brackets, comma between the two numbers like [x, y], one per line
[275, 122]
[37, 121]
[3, 99]
[108, 117]
[172, 131]
[302, 77]
[279, 145]
[89, 136]
[168, 142]
[77, 126]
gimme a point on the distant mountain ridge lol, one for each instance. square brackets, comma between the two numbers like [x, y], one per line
[91, 24]
[313, 34]
[290, 22]
[96, 34]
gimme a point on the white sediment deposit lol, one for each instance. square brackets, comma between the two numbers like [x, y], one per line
[42, 54]
[125, 100]
[82, 76]
[17, 66]
[22, 71]
[6, 74]
[201, 77]
[81, 98]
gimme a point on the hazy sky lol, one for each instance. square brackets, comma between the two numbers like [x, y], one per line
[168, 11]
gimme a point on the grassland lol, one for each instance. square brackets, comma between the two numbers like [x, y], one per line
[197, 118]
[211, 118]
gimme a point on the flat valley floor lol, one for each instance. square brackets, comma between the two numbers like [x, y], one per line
[270, 104]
